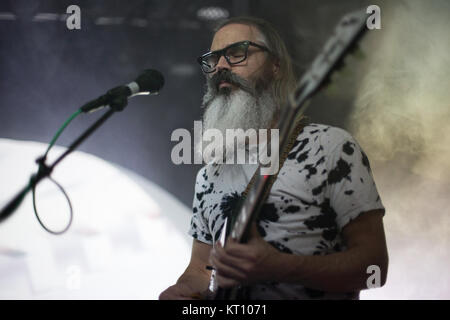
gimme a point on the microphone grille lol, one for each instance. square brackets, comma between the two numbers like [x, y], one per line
[150, 81]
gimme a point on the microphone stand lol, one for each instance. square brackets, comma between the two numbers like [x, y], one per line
[117, 104]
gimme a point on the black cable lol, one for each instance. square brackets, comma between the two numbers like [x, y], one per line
[42, 166]
[33, 191]
[44, 170]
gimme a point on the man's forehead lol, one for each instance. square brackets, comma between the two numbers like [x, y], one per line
[233, 33]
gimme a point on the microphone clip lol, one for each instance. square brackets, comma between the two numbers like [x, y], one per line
[116, 98]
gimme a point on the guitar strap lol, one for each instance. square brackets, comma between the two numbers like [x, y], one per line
[301, 123]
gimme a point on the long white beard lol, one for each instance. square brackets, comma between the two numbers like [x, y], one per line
[237, 110]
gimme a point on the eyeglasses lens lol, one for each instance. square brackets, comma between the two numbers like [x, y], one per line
[234, 54]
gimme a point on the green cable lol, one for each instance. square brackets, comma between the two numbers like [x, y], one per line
[75, 114]
[30, 185]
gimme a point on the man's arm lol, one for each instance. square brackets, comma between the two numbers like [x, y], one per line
[195, 278]
[346, 271]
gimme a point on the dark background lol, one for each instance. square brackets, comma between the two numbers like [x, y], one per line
[48, 71]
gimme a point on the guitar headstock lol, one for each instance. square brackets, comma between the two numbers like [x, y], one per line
[343, 42]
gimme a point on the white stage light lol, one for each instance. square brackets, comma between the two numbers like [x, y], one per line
[212, 13]
[128, 239]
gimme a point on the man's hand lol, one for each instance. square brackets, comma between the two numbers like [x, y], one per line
[193, 283]
[249, 263]
[180, 291]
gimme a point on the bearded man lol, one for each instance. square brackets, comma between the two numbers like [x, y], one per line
[321, 228]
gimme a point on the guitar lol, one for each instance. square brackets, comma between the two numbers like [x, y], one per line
[348, 32]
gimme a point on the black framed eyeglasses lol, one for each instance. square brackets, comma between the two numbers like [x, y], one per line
[234, 53]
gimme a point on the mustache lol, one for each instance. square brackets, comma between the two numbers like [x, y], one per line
[214, 81]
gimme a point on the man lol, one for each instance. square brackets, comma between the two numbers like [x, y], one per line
[321, 227]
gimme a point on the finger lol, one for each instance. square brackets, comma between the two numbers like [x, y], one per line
[227, 271]
[197, 296]
[224, 282]
[239, 251]
[221, 255]
[183, 298]
[190, 296]
[178, 293]
[174, 296]
[233, 247]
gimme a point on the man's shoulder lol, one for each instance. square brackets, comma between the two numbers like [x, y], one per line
[318, 129]
[207, 173]
[326, 136]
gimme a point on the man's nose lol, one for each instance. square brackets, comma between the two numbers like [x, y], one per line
[222, 64]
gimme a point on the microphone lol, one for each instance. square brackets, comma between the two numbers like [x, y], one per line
[149, 82]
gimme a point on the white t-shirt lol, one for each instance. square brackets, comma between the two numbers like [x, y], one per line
[324, 183]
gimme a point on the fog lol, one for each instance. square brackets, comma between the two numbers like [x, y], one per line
[401, 117]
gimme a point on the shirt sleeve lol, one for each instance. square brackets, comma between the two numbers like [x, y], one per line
[199, 228]
[350, 184]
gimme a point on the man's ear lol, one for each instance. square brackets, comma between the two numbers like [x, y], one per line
[276, 67]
